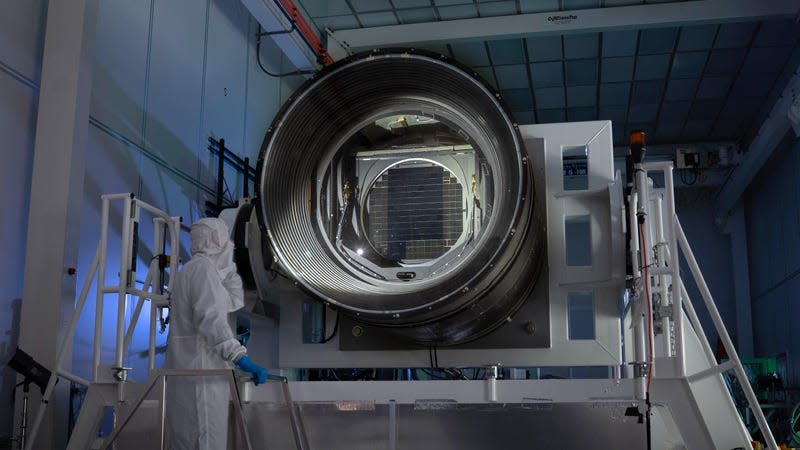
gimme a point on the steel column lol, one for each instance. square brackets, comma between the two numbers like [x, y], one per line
[56, 198]
[736, 229]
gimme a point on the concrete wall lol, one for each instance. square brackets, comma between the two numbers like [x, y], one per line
[168, 74]
[773, 225]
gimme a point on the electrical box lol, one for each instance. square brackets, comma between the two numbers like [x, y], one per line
[687, 159]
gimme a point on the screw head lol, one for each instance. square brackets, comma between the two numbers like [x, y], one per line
[530, 328]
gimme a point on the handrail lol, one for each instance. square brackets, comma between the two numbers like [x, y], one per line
[658, 208]
[722, 332]
[165, 227]
[298, 430]
[162, 375]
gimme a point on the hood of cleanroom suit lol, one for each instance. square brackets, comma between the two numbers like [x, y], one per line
[200, 337]
[211, 239]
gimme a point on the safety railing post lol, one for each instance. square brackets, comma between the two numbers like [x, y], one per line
[637, 319]
[100, 287]
[139, 305]
[151, 348]
[674, 261]
[161, 375]
[122, 287]
[666, 334]
[175, 249]
[126, 280]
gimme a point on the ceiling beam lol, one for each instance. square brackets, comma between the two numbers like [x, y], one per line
[697, 12]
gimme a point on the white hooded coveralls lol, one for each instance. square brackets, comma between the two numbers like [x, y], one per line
[200, 337]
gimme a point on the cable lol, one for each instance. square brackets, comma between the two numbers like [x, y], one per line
[646, 282]
[651, 353]
[264, 69]
[277, 273]
[450, 373]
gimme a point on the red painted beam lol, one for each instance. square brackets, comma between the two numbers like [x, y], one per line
[306, 30]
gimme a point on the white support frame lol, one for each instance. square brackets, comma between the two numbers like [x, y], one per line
[102, 395]
[163, 223]
[161, 375]
[686, 377]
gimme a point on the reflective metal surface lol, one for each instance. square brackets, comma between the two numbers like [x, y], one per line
[311, 195]
[465, 427]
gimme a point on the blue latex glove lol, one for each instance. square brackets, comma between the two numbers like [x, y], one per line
[259, 373]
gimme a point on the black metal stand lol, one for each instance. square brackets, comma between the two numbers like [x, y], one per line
[23, 425]
[225, 155]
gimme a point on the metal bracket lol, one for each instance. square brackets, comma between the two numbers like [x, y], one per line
[339, 49]
[661, 250]
[665, 311]
[121, 373]
[492, 374]
[640, 369]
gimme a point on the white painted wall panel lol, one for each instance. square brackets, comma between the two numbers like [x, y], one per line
[266, 94]
[173, 121]
[165, 190]
[263, 99]
[21, 30]
[118, 85]
[225, 89]
[17, 125]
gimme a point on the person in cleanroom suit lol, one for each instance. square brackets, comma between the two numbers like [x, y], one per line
[205, 292]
